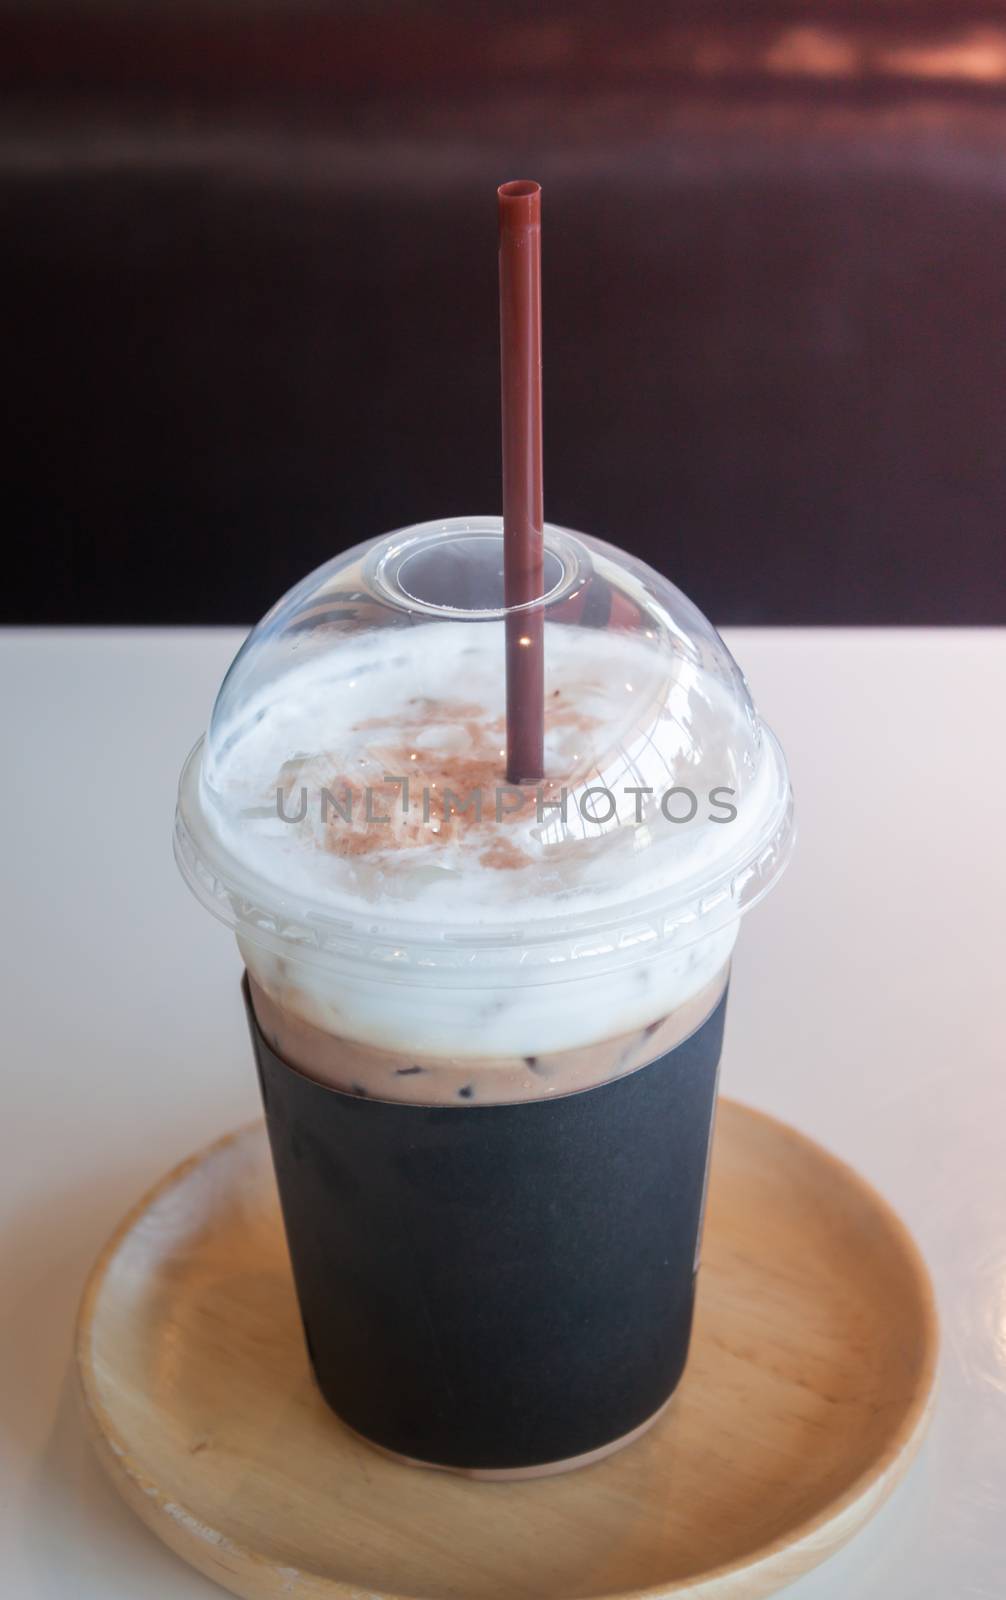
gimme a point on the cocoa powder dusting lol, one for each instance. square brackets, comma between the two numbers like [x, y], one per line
[504, 855]
[460, 787]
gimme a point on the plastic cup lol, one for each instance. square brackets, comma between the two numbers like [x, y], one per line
[487, 1020]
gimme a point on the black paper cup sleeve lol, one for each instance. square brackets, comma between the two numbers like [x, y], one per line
[493, 1287]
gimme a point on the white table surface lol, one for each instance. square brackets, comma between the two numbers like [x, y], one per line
[866, 1008]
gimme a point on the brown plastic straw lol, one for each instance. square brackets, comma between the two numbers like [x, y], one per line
[523, 513]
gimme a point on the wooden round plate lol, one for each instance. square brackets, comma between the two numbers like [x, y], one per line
[806, 1395]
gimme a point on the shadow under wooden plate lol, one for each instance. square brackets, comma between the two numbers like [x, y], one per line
[805, 1397]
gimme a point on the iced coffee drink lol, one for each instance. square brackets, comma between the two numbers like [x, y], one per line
[487, 1016]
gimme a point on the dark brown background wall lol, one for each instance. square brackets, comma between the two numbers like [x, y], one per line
[248, 256]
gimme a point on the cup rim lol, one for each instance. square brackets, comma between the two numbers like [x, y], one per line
[546, 950]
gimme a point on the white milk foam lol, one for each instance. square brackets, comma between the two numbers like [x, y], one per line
[427, 703]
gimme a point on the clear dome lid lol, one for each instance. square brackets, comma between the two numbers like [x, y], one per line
[351, 794]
